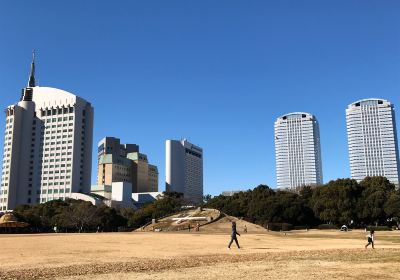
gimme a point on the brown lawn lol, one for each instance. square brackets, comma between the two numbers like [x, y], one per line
[183, 255]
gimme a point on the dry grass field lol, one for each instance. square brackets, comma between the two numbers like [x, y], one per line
[183, 255]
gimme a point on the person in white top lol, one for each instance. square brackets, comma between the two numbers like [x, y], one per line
[370, 237]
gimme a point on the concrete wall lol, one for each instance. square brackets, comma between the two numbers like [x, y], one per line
[85, 197]
[122, 194]
[141, 198]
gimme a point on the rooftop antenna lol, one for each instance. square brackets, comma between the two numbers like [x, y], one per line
[31, 82]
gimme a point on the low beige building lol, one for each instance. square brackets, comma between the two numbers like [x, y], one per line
[145, 175]
[114, 169]
[124, 163]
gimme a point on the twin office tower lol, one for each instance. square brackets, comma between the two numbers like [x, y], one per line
[372, 143]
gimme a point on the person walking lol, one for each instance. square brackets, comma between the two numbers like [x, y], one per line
[370, 237]
[233, 236]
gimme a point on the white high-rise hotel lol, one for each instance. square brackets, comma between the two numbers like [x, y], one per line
[184, 169]
[371, 130]
[297, 150]
[47, 146]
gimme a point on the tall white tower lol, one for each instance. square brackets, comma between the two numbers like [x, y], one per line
[297, 150]
[47, 146]
[372, 140]
[184, 169]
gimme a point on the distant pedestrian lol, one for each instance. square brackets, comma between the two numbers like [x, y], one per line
[233, 236]
[245, 229]
[189, 227]
[370, 238]
[198, 227]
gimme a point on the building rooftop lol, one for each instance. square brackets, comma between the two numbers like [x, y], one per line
[296, 115]
[108, 159]
[368, 102]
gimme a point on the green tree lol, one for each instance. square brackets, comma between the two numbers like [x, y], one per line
[336, 201]
[392, 207]
[109, 219]
[375, 193]
[207, 198]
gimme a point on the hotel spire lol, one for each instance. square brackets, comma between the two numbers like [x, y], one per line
[31, 82]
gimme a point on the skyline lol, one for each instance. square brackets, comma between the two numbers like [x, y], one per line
[239, 88]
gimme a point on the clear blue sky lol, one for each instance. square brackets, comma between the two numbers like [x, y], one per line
[218, 72]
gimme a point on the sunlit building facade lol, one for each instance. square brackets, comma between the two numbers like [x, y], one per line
[47, 146]
[184, 169]
[297, 151]
[372, 140]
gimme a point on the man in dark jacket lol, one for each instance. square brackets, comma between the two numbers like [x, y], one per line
[233, 236]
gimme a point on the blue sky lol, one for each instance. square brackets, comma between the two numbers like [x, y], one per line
[218, 72]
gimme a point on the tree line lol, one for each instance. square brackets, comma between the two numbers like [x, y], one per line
[373, 201]
[82, 216]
